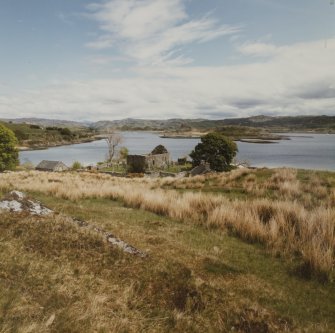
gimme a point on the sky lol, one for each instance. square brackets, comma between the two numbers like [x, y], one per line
[90, 60]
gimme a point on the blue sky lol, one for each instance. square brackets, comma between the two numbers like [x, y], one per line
[112, 59]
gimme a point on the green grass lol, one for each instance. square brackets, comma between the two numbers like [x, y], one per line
[194, 279]
[179, 168]
[172, 168]
[326, 176]
[236, 188]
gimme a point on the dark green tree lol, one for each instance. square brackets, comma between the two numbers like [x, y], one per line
[160, 149]
[65, 131]
[215, 149]
[9, 156]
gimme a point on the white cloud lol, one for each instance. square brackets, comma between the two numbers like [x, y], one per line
[106, 60]
[298, 79]
[137, 19]
[150, 31]
[258, 49]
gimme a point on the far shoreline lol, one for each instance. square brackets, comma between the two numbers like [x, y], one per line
[252, 140]
[63, 144]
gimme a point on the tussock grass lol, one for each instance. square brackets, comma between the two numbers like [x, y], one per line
[56, 277]
[288, 216]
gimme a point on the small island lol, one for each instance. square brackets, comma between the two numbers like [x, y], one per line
[235, 132]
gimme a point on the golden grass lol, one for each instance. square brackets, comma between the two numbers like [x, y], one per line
[298, 218]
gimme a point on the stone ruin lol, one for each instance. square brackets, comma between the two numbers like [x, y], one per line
[158, 159]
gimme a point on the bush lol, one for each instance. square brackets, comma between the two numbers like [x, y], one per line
[27, 165]
[35, 127]
[65, 132]
[76, 165]
[9, 156]
[123, 153]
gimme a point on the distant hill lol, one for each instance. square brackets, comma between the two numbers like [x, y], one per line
[47, 122]
[175, 124]
[144, 124]
[298, 123]
[323, 124]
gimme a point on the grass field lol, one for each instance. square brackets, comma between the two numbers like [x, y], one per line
[206, 269]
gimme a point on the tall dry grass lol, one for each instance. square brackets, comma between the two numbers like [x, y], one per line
[285, 225]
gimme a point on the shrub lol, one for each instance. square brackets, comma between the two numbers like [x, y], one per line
[9, 157]
[76, 165]
[35, 127]
[65, 132]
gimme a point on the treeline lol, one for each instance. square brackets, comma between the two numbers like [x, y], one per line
[62, 130]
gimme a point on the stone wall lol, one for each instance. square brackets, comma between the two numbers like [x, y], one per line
[136, 163]
[142, 163]
[157, 162]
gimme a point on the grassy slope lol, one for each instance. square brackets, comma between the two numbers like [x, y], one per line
[35, 136]
[194, 280]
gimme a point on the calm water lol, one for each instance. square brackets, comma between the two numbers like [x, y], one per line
[306, 151]
[309, 151]
[93, 152]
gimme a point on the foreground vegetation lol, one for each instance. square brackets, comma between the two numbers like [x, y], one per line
[255, 253]
[281, 209]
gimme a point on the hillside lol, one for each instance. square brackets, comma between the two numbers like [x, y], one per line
[288, 124]
[38, 133]
[47, 122]
[143, 124]
[35, 136]
[246, 251]
[282, 124]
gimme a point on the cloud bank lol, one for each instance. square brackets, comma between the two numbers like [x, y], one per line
[163, 82]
